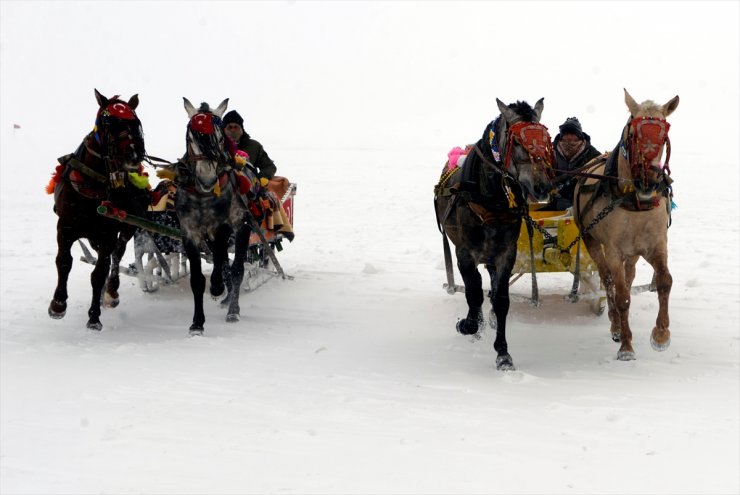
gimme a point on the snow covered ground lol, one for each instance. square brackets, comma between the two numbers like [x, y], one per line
[351, 378]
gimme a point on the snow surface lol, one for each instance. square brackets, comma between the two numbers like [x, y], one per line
[351, 378]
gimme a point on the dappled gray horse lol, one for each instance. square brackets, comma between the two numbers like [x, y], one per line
[210, 208]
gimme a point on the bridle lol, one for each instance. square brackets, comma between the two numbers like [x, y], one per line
[119, 135]
[205, 139]
[643, 139]
[206, 148]
[532, 136]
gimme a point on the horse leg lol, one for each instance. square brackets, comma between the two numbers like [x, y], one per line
[492, 274]
[197, 286]
[110, 298]
[237, 272]
[58, 305]
[622, 299]
[660, 338]
[629, 270]
[220, 250]
[473, 293]
[597, 254]
[97, 280]
[500, 302]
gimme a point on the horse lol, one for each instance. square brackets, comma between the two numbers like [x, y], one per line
[213, 203]
[104, 168]
[626, 216]
[481, 210]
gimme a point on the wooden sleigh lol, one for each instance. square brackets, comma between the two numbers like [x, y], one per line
[159, 262]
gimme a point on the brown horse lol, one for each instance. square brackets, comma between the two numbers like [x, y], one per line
[623, 209]
[101, 170]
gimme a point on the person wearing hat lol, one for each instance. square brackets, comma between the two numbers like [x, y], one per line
[234, 129]
[573, 149]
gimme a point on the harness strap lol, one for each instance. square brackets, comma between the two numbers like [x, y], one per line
[76, 164]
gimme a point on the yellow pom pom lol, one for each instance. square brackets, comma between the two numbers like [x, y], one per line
[138, 180]
[263, 181]
[167, 173]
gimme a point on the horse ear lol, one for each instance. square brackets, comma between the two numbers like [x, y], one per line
[133, 102]
[631, 103]
[219, 111]
[508, 113]
[538, 107]
[669, 107]
[102, 100]
[189, 107]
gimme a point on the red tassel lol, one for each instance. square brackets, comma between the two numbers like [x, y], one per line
[54, 179]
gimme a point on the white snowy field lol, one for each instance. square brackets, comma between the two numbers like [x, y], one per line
[351, 378]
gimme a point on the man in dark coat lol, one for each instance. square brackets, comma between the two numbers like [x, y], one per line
[234, 128]
[573, 149]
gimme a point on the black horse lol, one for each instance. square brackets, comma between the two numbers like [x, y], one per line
[104, 168]
[481, 206]
[213, 201]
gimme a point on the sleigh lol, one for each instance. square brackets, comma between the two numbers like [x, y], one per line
[549, 242]
[159, 257]
[555, 246]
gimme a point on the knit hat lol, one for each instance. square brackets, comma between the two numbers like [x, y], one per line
[570, 126]
[233, 117]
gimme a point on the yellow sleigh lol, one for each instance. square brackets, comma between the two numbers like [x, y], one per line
[556, 247]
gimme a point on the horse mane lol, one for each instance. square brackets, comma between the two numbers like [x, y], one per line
[204, 108]
[524, 110]
[649, 107]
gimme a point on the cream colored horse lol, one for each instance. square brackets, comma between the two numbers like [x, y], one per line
[638, 224]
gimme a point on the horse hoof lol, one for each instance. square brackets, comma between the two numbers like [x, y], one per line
[217, 292]
[94, 325]
[505, 363]
[232, 317]
[616, 337]
[660, 346]
[492, 322]
[196, 330]
[110, 301]
[57, 309]
[626, 355]
[598, 306]
[467, 326]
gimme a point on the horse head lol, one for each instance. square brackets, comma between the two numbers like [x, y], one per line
[118, 135]
[644, 142]
[526, 148]
[207, 155]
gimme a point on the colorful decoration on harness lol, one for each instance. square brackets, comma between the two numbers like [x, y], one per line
[120, 110]
[202, 123]
[140, 179]
[454, 156]
[241, 158]
[56, 177]
[649, 136]
[493, 141]
[534, 138]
